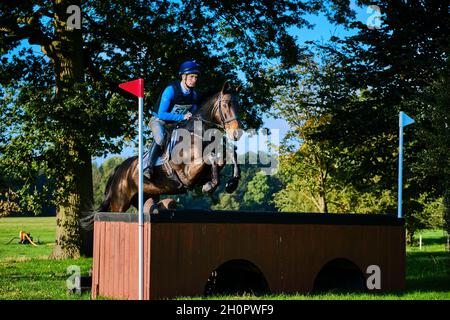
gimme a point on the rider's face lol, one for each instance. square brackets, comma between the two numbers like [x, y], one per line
[191, 80]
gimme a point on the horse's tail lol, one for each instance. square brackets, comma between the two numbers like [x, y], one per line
[87, 222]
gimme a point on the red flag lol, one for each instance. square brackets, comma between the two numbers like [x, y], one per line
[135, 87]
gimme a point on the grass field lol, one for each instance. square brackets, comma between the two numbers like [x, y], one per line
[26, 272]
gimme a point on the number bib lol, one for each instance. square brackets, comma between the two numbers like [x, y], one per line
[181, 108]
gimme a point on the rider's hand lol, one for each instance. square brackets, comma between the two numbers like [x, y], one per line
[187, 116]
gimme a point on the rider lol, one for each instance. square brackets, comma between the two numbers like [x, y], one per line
[177, 103]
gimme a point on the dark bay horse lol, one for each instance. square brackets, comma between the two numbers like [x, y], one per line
[217, 111]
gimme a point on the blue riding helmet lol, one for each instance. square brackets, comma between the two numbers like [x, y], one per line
[189, 67]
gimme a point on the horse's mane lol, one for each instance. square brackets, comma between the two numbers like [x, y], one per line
[205, 104]
[206, 99]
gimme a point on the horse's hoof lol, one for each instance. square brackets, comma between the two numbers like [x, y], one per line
[154, 209]
[231, 185]
[207, 187]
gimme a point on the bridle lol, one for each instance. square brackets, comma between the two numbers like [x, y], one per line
[218, 106]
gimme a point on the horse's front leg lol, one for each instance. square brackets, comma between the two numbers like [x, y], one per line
[210, 186]
[232, 184]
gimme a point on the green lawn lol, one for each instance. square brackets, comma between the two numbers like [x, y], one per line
[42, 231]
[26, 272]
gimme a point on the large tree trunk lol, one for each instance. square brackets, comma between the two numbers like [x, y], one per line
[67, 55]
[70, 243]
[67, 230]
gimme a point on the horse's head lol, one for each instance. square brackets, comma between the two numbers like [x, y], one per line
[225, 112]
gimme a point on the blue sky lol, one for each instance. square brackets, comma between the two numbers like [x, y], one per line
[322, 31]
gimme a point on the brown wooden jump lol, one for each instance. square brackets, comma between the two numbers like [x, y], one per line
[285, 251]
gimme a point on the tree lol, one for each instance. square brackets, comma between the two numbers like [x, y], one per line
[59, 106]
[301, 180]
[446, 201]
[226, 202]
[306, 173]
[424, 213]
[8, 203]
[404, 65]
[308, 170]
[100, 177]
[318, 172]
[260, 191]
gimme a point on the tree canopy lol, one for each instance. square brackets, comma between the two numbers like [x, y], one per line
[358, 86]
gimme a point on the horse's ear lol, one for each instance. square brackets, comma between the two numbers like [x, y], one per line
[226, 86]
[238, 89]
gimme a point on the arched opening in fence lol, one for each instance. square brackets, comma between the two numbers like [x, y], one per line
[236, 277]
[340, 275]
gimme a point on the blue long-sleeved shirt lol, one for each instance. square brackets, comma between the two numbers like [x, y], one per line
[166, 98]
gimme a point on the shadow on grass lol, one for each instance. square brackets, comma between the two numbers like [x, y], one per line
[428, 271]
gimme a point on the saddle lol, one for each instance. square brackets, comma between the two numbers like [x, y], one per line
[170, 138]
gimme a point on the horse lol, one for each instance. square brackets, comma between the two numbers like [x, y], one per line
[220, 111]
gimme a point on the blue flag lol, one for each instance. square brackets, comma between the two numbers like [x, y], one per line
[405, 119]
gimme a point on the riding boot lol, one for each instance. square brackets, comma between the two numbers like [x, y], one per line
[153, 155]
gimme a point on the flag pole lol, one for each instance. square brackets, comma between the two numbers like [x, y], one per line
[403, 121]
[400, 171]
[136, 87]
[141, 201]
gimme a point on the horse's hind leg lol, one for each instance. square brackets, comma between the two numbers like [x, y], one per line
[120, 205]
